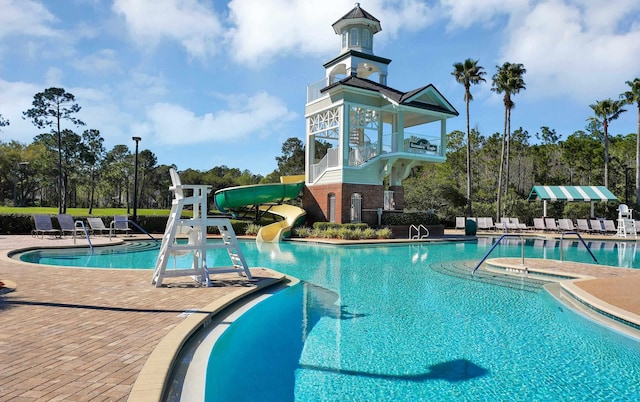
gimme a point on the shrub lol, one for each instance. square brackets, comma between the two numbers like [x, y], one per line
[252, 229]
[410, 218]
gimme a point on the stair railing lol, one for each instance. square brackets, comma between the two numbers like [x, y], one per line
[581, 239]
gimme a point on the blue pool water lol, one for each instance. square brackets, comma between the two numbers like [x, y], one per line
[379, 323]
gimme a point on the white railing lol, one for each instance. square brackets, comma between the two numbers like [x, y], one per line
[331, 159]
[313, 90]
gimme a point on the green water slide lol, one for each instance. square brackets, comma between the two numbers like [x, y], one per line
[235, 198]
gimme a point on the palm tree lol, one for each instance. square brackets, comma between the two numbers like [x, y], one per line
[606, 111]
[633, 96]
[467, 73]
[508, 80]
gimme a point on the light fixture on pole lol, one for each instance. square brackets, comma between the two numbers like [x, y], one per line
[135, 182]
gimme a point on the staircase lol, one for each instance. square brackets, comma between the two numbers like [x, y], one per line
[463, 269]
[195, 228]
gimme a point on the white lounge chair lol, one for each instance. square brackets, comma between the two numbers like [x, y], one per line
[609, 226]
[550, 223]
[520, 226]
[460, 222]
[538, 224]
[583, 225]
[97, 225]
[596, 226]
[507, 225]
[566, 224]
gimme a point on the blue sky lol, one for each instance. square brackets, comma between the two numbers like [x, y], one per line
[208, 83]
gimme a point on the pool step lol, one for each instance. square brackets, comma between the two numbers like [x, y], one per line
[463, 269]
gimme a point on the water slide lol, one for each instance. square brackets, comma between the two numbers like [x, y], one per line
[265, 195]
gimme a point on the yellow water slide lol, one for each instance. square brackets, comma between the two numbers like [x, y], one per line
[278, 230]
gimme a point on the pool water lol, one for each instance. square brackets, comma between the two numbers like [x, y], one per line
[377, 323]
[380, 323]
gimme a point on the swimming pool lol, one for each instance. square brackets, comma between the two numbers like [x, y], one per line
[381, 323]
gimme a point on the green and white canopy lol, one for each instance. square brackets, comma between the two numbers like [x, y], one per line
[571, 193]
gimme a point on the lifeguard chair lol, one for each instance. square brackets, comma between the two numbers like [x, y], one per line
[626, 224]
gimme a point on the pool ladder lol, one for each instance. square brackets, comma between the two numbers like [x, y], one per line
[418, 229]
[521, 236]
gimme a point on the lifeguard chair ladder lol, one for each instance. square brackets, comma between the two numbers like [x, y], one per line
[196, 230]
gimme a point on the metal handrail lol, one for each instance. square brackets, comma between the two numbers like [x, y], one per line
[496, 245]
[418, 229]
[514, 235]
[86, 234]
[581, 239]
[112, 228]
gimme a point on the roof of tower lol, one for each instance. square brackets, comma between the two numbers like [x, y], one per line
[410, 98]
[357, 13]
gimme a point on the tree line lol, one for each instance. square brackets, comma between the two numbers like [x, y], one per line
[591, 169]
[68, 169]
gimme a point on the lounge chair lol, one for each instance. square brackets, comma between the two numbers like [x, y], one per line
[520, 226]
[566, 224]
[67, 225]
[120, 224]
[538, 224]
[507, 225]
[460, 222]
[44, 226]
[583, 225]
[97, 225]
[550, 223]
[596, 226]
[609, 226]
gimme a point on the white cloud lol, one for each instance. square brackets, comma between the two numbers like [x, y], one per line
[188, 22]
[25, 17]
[15, 98]
[104, 61]
[578, 49]
[173, 124]
[465, 13]
[269, 28]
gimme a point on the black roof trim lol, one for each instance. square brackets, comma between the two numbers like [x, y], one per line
[357, 54]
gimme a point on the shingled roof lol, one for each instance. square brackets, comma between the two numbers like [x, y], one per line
[395, 96]
[358, 13]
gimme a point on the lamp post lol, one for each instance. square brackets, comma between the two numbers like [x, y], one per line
[135, 182]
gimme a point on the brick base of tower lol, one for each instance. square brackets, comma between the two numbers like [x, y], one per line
[315, 201]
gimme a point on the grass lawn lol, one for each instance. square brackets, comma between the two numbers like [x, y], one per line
[80, 211]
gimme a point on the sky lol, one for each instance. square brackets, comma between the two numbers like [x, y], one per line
[209, 83]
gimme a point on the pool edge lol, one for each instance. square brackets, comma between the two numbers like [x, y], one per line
[152, 381]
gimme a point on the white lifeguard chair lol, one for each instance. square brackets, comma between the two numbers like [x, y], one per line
[195, 229]
[626, 224]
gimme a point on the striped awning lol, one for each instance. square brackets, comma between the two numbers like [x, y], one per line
[571, 193]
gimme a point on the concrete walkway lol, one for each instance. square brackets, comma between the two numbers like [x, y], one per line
[86, 334]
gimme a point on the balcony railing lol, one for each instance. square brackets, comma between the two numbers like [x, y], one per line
[313, 90]
[331, 159]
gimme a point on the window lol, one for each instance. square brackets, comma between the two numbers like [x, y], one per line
[355, 41]
[366, 38]
[344, 39]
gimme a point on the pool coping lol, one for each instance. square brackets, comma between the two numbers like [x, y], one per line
[153, 380]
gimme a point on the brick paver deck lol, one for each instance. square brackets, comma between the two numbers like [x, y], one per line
[85, 334]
